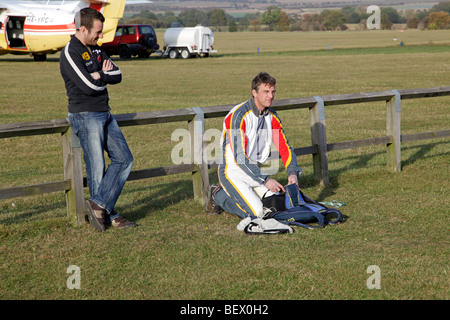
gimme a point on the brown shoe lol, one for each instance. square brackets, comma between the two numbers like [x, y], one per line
[211, 207]
[121, 223]
[96, 215]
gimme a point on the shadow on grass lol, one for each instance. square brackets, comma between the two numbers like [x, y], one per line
[329, 190]
[163, 195]
[422, 152]
[22, 215]
[27, 58]
[362, 161]
[158, 196]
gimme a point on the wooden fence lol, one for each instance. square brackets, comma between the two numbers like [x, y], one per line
[74, 182]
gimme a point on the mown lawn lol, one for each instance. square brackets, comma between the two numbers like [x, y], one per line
[398, 222]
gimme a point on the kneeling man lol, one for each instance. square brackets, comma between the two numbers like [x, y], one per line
[249, 129]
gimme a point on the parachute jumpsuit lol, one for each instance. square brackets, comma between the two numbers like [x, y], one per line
[246, 140]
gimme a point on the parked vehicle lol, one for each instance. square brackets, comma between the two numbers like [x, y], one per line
[188, 42]
[133, 40]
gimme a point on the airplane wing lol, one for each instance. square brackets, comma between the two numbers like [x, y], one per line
[5, 4]
[128, 1]
[138, 2]
[40, 43]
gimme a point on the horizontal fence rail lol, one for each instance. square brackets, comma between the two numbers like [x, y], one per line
[74, 182]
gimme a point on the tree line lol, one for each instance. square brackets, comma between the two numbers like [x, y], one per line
[275, 19]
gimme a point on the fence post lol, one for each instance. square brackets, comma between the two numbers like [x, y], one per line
[319, 138]
[393, 149]
[200, 177]
[73, 170]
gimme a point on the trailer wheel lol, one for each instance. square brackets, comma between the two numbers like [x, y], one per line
[173, 54]
[185, 54]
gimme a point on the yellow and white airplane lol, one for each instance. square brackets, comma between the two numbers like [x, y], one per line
[39, 28]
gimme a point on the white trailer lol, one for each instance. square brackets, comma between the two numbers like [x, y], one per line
[187, 42]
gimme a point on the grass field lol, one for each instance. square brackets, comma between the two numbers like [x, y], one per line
[398, 222]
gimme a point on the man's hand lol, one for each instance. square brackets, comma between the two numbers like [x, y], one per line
[293, 179]
[273, 185]
[107, 66]
[95, 75]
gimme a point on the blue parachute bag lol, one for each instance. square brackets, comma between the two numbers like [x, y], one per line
[299, 210]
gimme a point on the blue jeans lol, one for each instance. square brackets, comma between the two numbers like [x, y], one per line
[99, 132]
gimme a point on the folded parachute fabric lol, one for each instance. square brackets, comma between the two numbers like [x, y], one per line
[263, 226]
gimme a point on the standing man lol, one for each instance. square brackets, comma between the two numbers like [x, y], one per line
[248, 132]
[86, 71]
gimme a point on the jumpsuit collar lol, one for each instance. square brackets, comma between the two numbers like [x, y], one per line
[255, 110]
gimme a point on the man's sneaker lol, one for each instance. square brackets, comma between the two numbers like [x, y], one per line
[96, 215]
[121, 223]
[211, 207]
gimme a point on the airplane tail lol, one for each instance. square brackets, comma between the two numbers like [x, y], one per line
[112, 10]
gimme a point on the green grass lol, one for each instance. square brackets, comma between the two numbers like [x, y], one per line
[396, 221]
[375, 50]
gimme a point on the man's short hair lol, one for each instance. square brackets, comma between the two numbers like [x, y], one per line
[265, 78]
[86, 17]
